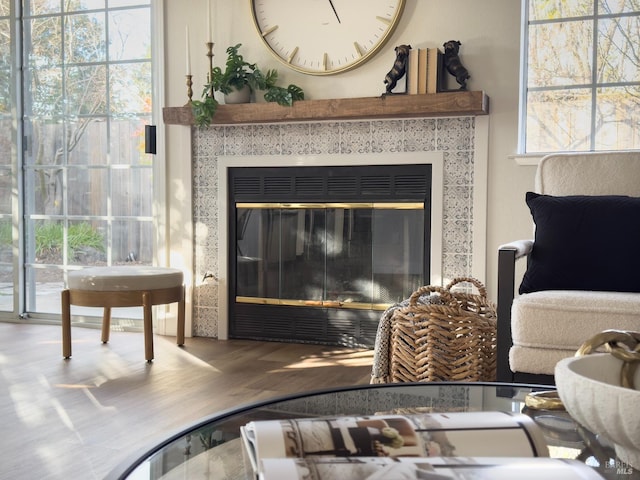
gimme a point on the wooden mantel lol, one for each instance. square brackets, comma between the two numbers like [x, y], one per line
[458, 103]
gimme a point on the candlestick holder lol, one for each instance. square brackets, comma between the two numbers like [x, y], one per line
[210, 73]
[189, 89]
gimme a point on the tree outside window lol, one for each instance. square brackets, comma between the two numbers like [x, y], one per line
[86, 96]
[582, 73]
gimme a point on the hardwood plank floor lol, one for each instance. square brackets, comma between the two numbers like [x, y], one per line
[79, 418]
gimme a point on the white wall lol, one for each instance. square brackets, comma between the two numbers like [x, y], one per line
[490, 34]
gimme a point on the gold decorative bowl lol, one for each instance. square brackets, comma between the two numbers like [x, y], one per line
[591, 389]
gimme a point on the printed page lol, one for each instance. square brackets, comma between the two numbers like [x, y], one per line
[435, 468]
[461, 434]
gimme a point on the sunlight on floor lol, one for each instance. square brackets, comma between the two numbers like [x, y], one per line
[62, 414]
[335, 359]
[72, 385]
[97, 403]
[33, 403]
[29, 407]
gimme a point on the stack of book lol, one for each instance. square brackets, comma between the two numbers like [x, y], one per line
[425, 71]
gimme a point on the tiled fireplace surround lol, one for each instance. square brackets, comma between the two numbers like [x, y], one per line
[462, 142]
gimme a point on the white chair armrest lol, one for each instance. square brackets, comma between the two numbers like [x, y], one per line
[521, 247]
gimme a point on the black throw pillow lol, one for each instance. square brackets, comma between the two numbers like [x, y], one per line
[584, 242]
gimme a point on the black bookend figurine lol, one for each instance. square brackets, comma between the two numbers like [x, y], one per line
[453, 64]
[399, 67]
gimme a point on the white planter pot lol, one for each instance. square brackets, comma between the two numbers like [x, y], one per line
[238, 96]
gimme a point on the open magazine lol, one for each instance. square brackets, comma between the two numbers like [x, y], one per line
[437, 444]
[433, 468]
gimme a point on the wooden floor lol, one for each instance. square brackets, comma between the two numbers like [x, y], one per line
[80, 418]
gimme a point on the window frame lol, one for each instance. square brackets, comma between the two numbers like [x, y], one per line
[18, 165]
[592, 86]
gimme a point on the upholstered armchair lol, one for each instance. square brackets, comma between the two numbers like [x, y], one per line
[583, 268]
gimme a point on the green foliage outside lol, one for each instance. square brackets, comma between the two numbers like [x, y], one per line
[5, 233]
[49, 238]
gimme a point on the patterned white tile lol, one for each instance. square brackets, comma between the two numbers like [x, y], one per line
[456, 265]
[205, 322]
[295, 139]
[213, 235]
[205, 207]
[266, 140]
[208, 141]
[420, 135]
[238, 140]
[325, 138]
[205, 294]
[389, 401]
[209, 259]
[457, 236]
[351, 403]
[458, 168]
[387, 136]
[454, 397]
[457, 202]
[355, 137]
[201, 231]
[455, 133]
[204, 175]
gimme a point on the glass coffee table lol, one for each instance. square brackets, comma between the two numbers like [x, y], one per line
[212, 448]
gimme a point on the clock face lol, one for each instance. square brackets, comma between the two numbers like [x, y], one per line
[322, 37]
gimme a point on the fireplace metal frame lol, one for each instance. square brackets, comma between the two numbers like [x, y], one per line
[211, 238]
[329, 323]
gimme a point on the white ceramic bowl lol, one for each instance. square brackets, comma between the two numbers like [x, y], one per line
[590, 389]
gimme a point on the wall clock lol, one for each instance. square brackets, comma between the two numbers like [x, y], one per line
[323, 37]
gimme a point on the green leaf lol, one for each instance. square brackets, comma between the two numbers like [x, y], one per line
[236, 75]
[296, 92]
[203, 111]
[271, 78]
[279, 95]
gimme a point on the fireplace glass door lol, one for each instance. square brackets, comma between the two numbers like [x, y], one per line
[341, 255]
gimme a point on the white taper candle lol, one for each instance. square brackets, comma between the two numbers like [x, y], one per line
[209, 32]
[188, 50]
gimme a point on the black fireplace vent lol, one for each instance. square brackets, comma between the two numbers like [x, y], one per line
[277, 185]
[246, 185]
[342, 185]
[309, 186]
[375, 183]
[412, 184]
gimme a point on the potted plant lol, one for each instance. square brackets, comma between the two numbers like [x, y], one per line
[241, 75]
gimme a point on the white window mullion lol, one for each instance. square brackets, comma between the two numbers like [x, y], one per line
[594, 77]
[605, 95]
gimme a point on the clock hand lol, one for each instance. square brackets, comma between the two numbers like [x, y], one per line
[334, 11]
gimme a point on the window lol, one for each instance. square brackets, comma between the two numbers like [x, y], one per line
[8, 154]
[84, 182]
[581, 75]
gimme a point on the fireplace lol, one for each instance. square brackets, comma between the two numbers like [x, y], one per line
[455, 147]
[316, 253]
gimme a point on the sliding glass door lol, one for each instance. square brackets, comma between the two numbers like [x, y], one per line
[84, 181]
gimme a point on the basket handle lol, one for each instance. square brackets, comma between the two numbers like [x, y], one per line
[428, 289]
[482, 290]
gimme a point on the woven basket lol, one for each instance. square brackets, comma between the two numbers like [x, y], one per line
[453, 338]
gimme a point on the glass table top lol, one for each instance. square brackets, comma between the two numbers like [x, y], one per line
[212, 448]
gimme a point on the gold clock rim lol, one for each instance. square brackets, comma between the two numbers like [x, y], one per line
[365, 58]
